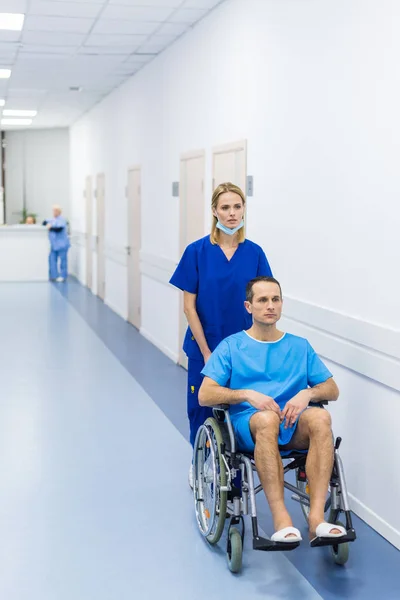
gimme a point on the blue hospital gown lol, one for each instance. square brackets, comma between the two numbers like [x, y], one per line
[278, 369]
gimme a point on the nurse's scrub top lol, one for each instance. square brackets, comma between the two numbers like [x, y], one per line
[220, 286]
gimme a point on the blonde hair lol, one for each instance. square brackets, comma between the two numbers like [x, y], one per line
[223, 188]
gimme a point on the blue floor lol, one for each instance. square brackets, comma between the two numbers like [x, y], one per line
[94, 501]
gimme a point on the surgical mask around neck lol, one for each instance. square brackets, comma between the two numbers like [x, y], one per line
[229, 231]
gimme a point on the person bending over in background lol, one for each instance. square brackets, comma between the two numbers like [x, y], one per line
[59, 245]
[213, 273]
[269, 379]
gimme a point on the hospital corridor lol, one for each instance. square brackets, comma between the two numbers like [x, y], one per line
[199, 299]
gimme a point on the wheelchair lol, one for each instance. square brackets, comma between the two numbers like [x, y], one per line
[224, 489]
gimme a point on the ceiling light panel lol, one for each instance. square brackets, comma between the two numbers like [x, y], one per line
[11, 21]
[16, 121]
[19, 113]
[5, 73]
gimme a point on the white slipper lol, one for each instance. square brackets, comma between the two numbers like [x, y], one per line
[280, 536]
[324, 530]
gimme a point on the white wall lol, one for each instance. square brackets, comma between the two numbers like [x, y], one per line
[314, 88]
[37, 165]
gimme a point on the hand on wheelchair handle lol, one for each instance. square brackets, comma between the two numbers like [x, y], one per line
[294, 408]
[263, 402]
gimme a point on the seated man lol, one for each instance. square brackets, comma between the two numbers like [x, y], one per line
[269, 378]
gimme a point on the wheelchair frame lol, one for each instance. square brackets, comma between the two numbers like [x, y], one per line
[233, 498]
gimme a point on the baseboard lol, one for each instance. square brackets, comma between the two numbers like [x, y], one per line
[172, 355]
[391, 534]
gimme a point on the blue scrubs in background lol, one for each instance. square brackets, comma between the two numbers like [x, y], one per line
[59, 245]
[220, 286]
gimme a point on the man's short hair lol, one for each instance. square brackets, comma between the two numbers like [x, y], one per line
[252, 282]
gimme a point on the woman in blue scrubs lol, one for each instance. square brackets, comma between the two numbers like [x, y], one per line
[213, 273]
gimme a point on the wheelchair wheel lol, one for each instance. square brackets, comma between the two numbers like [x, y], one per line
[302, 486]
[340, 552]
[234, 551]
[209, 477]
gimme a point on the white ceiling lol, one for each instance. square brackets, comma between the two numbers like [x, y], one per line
[94, 44]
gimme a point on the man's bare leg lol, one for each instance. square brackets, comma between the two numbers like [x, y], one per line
[264, 427]
[314, 432]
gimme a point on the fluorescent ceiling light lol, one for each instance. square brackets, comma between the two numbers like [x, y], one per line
[8, 112]
[11, 21]
[5, 73]
[2, 102]
[16, 121]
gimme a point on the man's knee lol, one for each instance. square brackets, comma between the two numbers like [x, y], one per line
[265, 423]
[318, 420]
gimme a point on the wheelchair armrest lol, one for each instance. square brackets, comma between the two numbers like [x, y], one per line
[221, 407]
[319, 403]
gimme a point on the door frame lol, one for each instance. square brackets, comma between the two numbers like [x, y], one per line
[89, 230]
[101, 258]
[128, 247]
[231, 147]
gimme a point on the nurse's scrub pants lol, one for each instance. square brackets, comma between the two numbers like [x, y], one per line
[197, 414]
[55, 257]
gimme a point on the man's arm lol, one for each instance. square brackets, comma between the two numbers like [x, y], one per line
[326, 391]
[211, 394]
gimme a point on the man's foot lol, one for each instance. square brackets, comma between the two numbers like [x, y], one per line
[191, 476]
[60, 279]
[327, 530]
[287, 534]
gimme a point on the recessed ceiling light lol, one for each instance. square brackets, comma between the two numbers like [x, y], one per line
[12, 21]
[8, 112]
[2, 102]
[16, 121]
[75, 88]
[5, 73]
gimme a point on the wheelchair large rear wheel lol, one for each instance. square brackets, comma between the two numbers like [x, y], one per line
[209, 477]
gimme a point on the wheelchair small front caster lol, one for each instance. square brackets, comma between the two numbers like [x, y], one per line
[340, 552]
[234, 550]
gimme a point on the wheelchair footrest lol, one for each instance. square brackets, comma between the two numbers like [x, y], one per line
[324, 541]
[267, 545]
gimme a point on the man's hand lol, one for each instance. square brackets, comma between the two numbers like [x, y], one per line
[48, 225]
[262, 402]
[295, 407]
